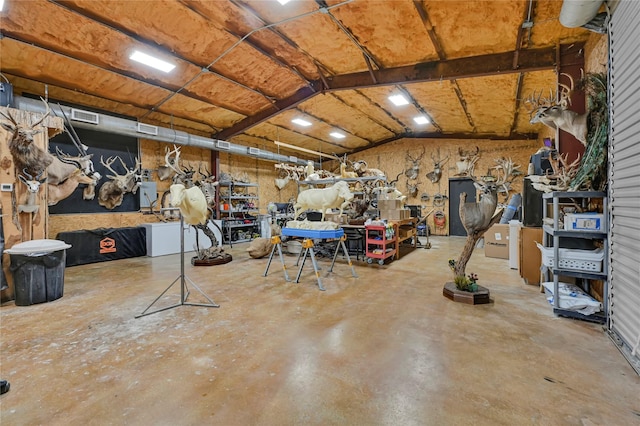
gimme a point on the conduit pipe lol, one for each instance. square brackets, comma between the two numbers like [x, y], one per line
[125, 127]
[576, 13]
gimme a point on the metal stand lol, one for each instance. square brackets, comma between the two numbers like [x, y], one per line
[184, 290]
[308, 250]
[277, 243]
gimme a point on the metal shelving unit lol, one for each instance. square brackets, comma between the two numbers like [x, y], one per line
[241, 213]
[552, 234]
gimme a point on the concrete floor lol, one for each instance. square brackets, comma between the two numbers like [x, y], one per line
[382, 349]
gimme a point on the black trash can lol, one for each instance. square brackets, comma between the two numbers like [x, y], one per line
[38, 270]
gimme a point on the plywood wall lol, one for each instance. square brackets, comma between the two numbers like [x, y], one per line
[20, 227]
[395, 158]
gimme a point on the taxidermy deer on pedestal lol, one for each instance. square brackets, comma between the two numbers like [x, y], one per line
[477, 217]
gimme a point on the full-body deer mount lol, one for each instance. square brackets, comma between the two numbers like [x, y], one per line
[33, 186]
[477, 217]
[26, 154]
[553, 112]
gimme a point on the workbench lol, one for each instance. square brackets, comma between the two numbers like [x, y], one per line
[405, 229]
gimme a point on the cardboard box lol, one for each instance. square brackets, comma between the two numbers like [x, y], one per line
[395, 214]
[389, 204]
[337, 218]
[496, 241]
[530, 256]
[584, 221]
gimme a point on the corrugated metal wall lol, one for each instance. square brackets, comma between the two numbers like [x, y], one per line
[624, 33]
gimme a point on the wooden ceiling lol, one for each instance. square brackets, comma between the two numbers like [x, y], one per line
[245, 69]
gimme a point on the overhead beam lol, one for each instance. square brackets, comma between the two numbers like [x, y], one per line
[438, 135]
[292, 101]
[475, 66]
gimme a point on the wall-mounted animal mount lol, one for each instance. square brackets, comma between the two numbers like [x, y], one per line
[171, 163]
[26, 154]
[412, 188]
[64, 165]
[112, 192]
[435, 175]
[467, 161]
[59, 192]
[414, 169]
[33, 186]
[554, 113]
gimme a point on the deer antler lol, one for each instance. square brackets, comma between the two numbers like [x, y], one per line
[109, 162]
[46, 114]
[565, 95]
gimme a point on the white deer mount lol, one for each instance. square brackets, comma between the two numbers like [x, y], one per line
[33, 186]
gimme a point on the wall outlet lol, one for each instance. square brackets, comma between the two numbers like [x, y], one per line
[6, 187]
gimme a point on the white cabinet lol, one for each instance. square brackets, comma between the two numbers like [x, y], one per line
[585, 266]
[164, 237]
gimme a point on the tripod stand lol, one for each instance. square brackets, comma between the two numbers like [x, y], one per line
[184, 290]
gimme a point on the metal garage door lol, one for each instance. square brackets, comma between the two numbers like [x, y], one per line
[624, 33]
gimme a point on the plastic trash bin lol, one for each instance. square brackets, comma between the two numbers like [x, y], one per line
[38, 270]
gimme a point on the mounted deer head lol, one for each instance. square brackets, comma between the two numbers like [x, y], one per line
[171, 160]
[435, 175]
[414, 169]
[33, 186]
[65, 189]
[112, 192]
[26, 155]
[554, 113]
[467, 162]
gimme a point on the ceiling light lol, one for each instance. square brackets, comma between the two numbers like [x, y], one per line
[301, 122]
[156, 63]
[398, 100]
[2, 5]
[337, 135]
[283, 2]
[421, 119]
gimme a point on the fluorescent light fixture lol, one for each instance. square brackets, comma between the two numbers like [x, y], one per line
[301, 122]
[337, 135]
[421, 119]
[283, 2]
[156, 63]
[398, 100]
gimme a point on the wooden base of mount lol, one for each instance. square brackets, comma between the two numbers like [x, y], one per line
[476, 298]
[211, 262]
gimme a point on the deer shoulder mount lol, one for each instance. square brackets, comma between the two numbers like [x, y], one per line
[554, 113]
[467, 161]
[112, 192]
[33, 186]
[26, 154]
[414, 169]
[435, 175]
[476, 217]
[171, 161]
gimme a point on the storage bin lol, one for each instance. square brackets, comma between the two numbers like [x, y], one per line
[38, 270]
[582, 260]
